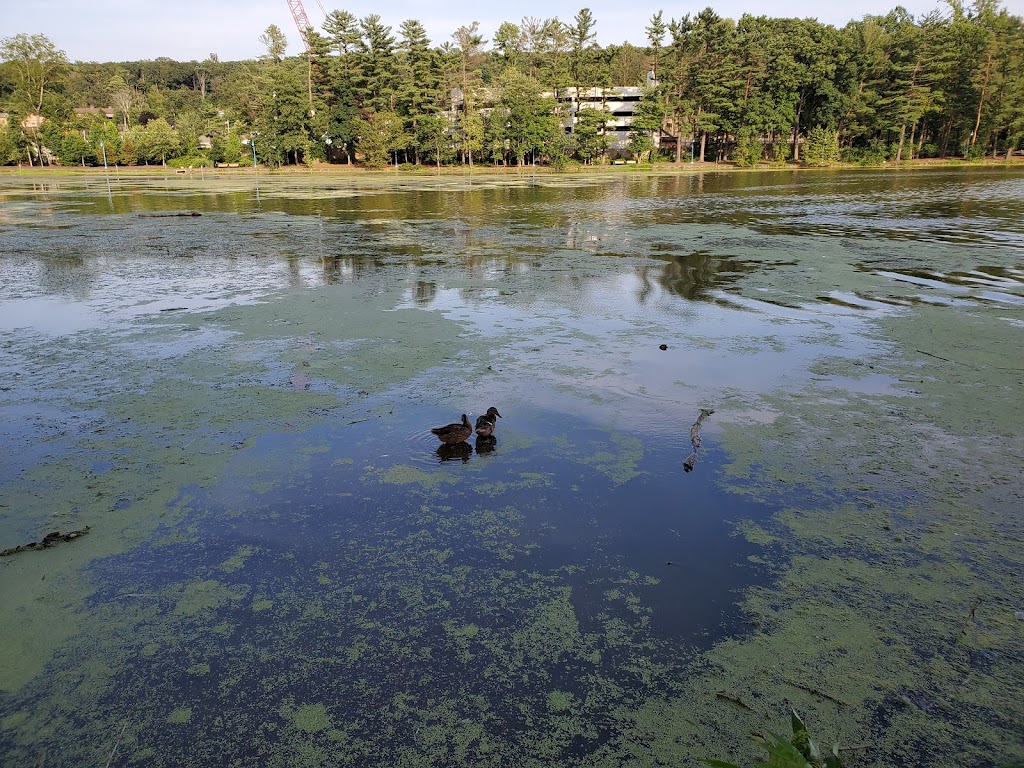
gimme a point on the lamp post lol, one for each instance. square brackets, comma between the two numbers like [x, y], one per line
[693, 143]
[252, 141]
[106, 171]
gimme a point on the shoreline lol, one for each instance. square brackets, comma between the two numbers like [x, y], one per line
[425, 171]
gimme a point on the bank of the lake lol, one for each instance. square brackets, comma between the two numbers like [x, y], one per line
[574, 169]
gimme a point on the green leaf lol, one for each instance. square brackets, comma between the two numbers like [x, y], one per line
[834, 760]
[782, 753]
[798, 724]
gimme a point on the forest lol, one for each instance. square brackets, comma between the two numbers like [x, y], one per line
[747, 91]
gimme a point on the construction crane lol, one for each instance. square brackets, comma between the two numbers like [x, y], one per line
[302, 20]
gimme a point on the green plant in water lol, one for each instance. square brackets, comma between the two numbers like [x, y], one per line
[799, 751]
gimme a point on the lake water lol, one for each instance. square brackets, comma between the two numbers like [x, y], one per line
[283, 568]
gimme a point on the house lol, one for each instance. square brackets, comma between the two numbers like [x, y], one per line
[107, 112]
[30, 123]
[33, 122]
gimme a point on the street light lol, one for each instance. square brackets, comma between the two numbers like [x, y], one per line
[253, 142]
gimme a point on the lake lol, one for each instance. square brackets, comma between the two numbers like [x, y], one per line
[284, 567]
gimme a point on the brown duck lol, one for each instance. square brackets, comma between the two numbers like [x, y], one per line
[450, 434]
[485, 424]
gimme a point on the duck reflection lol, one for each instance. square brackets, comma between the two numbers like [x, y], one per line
[486, 443]
[454, 451]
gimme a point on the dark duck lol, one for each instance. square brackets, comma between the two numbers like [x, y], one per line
[450, 434]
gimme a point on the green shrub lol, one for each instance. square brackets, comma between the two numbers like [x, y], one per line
[977, 152]
[821, 147]
[749, 149]
[876, 153]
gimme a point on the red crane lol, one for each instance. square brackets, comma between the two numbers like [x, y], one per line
[301, 19]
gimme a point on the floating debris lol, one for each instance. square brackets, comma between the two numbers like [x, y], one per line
[49, 540]
[695, 439]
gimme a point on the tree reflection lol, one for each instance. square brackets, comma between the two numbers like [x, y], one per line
[694, 275]
[424, 292]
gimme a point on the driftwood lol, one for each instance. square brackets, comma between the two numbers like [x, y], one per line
[734, 699]
[48, 541]
[695, 439]
[815, 691]
[184, 214]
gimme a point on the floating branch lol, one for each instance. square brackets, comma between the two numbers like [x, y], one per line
[817, 692]
[735, 700]
[183, 214]
[113, 752]
[48, 541]
[695, 438]
[971, 617]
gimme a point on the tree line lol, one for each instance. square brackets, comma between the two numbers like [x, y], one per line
[892, 87]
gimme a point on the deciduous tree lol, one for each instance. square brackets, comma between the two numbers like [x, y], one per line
[275, 42]
[37, 64]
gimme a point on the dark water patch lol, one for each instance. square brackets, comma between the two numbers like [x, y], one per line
[370, 600]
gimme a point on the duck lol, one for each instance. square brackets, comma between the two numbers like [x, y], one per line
[485, 424]
[450, 434]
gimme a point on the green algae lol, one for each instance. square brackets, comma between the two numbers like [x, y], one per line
[874, 592]
[310, 718]
[207, 595]
[177, 424]
[400, 474]
[464, 732]
[877, 602]
[180, 715]
[559, 701]
[237, 561]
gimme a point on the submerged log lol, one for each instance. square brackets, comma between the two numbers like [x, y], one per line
[48, 541]
[169, 215]
[695, 439]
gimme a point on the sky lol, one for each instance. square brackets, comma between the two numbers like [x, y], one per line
[126, 30]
